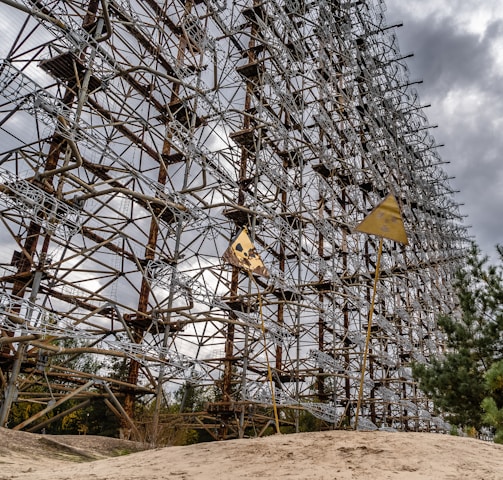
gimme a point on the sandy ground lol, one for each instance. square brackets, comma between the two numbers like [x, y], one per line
[335, 455]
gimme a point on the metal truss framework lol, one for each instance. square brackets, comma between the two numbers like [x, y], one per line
[139, 136]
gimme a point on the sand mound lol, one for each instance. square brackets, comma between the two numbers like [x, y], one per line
[337, 455]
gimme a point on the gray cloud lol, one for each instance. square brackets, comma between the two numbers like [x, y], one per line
[448, 58]
[465, 87]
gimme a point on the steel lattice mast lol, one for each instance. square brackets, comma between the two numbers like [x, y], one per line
[139, 137]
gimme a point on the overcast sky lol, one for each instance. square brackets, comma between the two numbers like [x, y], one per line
[458, 53]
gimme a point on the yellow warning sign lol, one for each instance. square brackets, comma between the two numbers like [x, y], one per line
[385, 221]
[243, 254]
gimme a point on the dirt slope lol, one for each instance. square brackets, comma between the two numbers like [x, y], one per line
[337, 455]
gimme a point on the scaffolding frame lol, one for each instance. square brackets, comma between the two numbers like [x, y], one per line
[139, 137]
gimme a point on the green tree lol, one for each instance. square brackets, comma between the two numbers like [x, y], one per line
[455, 381]
[493, 404]
[95, 418]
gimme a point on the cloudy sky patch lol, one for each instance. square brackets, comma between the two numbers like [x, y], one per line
[458, 53]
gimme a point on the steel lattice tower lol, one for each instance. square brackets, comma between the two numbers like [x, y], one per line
[138, 137]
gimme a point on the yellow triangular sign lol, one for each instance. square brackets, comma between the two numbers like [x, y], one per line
[243, 254]
[385, 221]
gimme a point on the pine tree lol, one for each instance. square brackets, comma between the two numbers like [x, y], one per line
[456, 381]
[493, 404]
